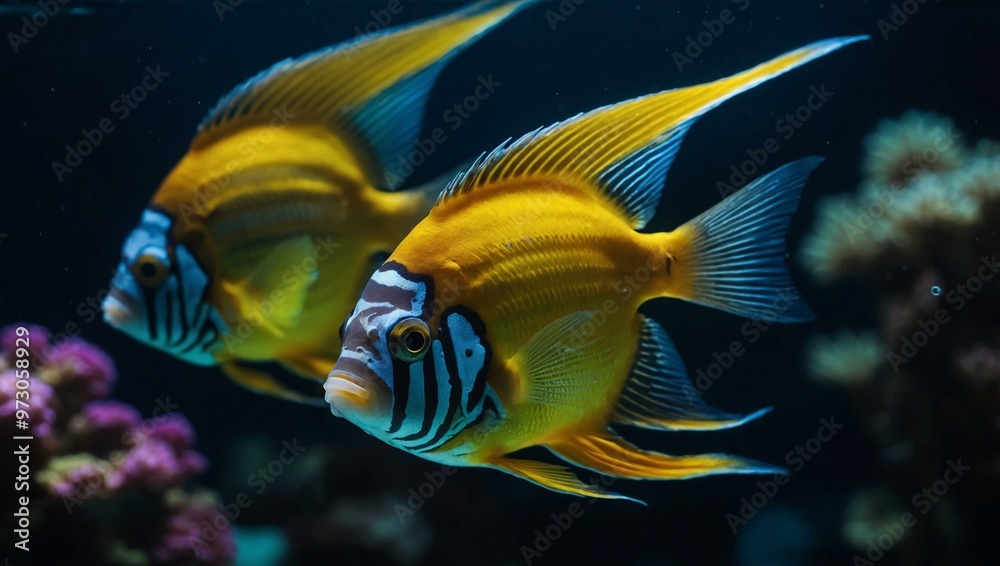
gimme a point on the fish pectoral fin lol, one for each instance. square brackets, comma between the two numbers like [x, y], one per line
[612, 455]
[556, 363]
[658, 393]
[556, 478]
[260, 382]
[309, 366]
[281, 270]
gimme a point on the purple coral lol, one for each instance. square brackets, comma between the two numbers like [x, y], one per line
[188, 540]
[40, 401]
[78, 476]
[176, 431]
[103, 425]
[85, 373]
[94, 448]
[153, 465]
[37, 339]
[111, 416]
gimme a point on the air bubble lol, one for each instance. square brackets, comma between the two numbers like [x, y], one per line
[935, 290]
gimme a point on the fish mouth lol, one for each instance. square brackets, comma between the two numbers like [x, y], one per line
[345, 393]
[119, 308]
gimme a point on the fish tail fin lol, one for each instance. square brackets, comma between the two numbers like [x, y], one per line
[732, 256]
[623, 151]
[370, 91]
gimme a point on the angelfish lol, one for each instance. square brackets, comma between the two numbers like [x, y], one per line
[261, 238]
[542, 344]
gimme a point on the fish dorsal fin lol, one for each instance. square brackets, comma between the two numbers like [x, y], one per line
[372, 89]
[623, 150]
[658, 393]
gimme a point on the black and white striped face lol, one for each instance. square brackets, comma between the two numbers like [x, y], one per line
[413, 387]
[159, 295]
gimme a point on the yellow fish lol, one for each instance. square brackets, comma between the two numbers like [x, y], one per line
[259, 241]
[508, 318]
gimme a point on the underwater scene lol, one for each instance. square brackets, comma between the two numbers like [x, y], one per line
[500, 282]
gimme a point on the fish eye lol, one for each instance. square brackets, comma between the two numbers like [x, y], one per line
[149, 270]
[410, 339]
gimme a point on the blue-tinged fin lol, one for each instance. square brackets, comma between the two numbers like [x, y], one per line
[623, 150]
[733, 255]
[658, 393]
[371, 90]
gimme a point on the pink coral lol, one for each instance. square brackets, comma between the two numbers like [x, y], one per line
[40, 404]
[85, 373]
[176, 431]
[185, 539]
[153, 464]
[37, 339]
[78, 476]
[103, 425]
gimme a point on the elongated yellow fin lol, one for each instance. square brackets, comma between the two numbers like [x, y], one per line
[281, 270]
[372, 89]
[308, 365]
[609, 454]
[624, 150]
[265, 384]
[556, 364]
[556, 478]
[658, 393]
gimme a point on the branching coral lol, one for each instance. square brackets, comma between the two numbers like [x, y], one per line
[846, 358]
[907, 207]
[93, 461]
[899, 150]
[922, 230]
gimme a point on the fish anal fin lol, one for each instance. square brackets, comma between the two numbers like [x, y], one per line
[658, 394]
[265, 384]
[606, 453]
[309, 366]
[556, 478]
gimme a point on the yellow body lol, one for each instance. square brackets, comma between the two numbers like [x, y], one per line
[304, 181]
[542, 232]
[285, 196]
[521, 269]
